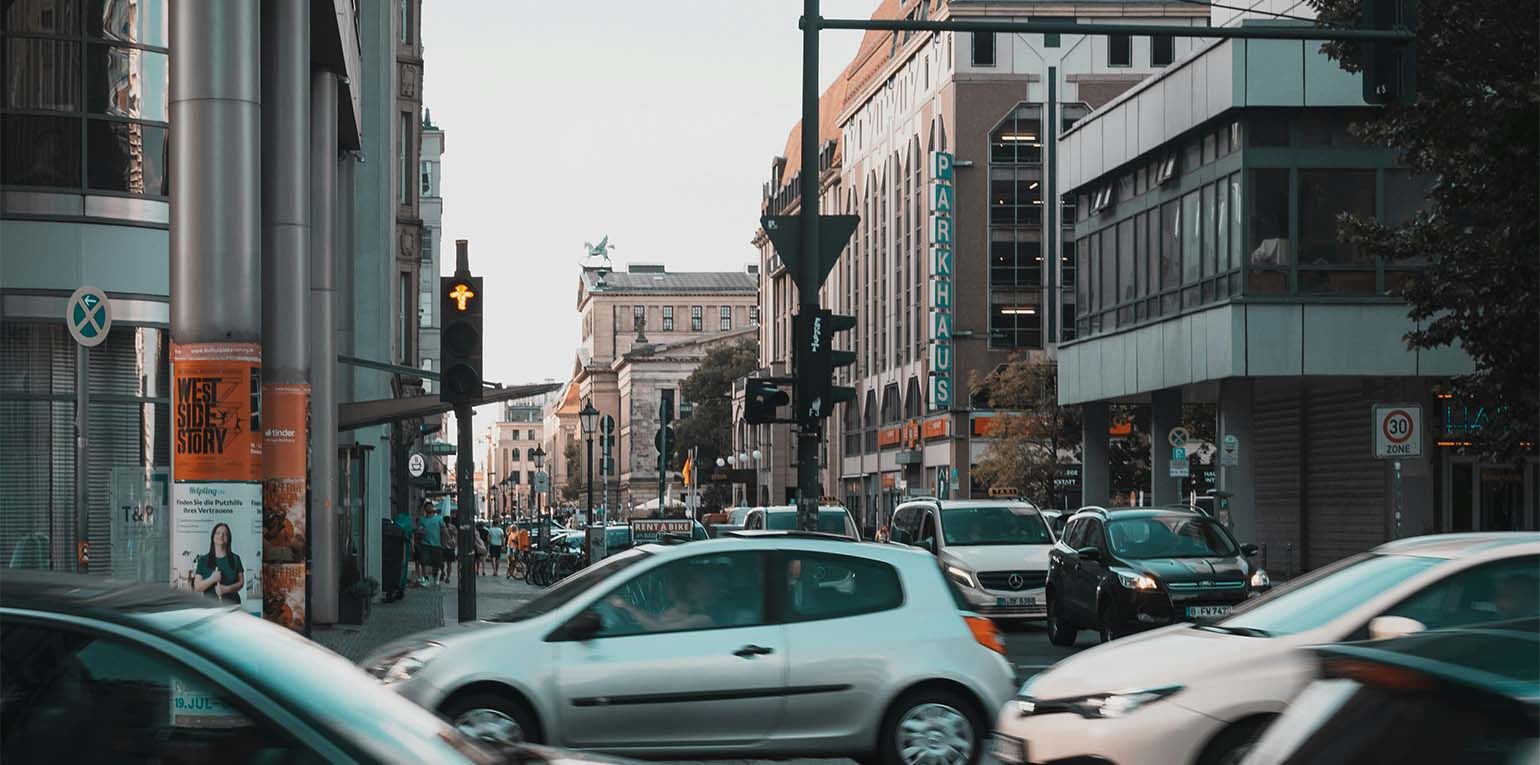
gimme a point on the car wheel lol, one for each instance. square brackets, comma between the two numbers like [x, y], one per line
[1107, 623]
[492, 717]
[1232, 744]
[932, 726]
[1060, 631]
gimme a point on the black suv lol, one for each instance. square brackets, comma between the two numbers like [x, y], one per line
[1124, 569]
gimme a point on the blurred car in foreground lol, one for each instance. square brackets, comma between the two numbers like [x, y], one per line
[769, 643]
[1470, 696]
[1203, 692]
[94, 670]
[995, 551]
[1120, 570]
[832, 519]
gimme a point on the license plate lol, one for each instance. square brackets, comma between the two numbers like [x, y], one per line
[1009, 749]
[1028, 601]
[1204, 612]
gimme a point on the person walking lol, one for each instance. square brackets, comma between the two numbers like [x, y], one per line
[495, 546]
[449, 543]
[481, 549]
[432, 541]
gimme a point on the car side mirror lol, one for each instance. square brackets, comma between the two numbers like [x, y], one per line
[927, 544]
[1386, 627]
[1089, 553]
[582, 627]
[1249, 550]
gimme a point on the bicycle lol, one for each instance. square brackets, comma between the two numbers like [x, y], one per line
[518, 565]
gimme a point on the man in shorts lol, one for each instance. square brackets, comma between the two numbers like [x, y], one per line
[432, 524]
[495, 546]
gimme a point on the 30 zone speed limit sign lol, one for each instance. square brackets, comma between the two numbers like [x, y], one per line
[1397, 431]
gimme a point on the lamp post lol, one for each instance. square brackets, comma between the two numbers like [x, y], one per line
[590, 419]
[534, 493]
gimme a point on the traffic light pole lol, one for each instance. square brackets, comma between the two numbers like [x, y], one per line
[808, 432]
[465, 511]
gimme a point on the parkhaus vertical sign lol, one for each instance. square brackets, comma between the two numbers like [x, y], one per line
[942, 201]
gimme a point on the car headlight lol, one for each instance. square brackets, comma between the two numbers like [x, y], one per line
[1260, 580]
[1097, 705]
[1134, 580]
[962, 576]
[400, 665]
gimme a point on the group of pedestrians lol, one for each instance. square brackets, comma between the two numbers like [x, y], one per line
[432, 542]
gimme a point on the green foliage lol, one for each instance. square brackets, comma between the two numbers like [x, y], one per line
[1474, 130]
[709, 427]
[572, 489]
[1033, 436]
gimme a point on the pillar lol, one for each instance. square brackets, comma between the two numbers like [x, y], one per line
[285, 299]
[326, 547]
[1237, 480]
[215, 272]
[1095, 467]
[1165, 414]
[342, 268]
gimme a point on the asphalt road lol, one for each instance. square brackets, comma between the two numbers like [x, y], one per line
[1028, 649]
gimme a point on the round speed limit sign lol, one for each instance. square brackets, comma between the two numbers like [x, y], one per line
[1397, 431]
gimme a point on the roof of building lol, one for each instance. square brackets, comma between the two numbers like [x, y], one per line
[668, 283]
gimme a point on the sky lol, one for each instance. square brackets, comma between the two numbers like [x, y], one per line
[568, 120]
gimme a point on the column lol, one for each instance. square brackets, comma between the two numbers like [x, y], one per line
[1165, 414]
[1095, 468]
[216, 319]
[1237, 480]
[325, 547]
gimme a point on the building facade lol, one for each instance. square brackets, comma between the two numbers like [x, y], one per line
[929, 324]
[511, 463]
[430, 242]
[644, 330]
[1211, 271]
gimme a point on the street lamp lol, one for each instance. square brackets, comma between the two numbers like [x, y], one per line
[539, 457]
[590, 419]
[721, 462]
[758, 455]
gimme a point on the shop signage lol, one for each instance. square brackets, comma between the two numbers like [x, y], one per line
[935, 428]
[983, 426]
[1068, 478]
[416, 465]
[1397, 431]
[890, 436]
[942, 203]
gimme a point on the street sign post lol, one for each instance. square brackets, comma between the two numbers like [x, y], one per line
[1179, 461]
[542, 481]
[1397, 431]
[1230, 451]
[1177, 437]
[88, 316]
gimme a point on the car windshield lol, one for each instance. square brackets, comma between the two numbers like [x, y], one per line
[1312, 601]
[567, 589]
[829, 522]
[1000, 525]
[1178, 535]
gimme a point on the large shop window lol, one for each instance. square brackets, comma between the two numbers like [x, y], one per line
[1270, 254]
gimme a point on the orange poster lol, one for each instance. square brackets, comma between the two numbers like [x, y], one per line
[215, 412]
[283, 594]
[285, 412]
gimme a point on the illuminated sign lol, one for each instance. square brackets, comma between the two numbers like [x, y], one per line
[461, 294]
[942, 202]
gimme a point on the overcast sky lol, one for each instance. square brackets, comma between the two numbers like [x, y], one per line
[566, 120]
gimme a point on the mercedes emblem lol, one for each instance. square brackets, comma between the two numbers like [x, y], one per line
[1016, 581]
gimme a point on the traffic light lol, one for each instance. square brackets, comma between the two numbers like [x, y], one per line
[761, 397]
[1389, 68]
[460, 300]
[816, 360]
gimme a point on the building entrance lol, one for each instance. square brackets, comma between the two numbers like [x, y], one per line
[1483, 496]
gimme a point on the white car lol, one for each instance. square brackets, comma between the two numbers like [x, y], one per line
[767, 643]
[1202, 693]
[995, 551]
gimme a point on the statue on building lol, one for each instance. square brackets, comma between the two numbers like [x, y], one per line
[600, 251]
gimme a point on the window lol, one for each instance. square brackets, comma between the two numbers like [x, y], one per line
[1067, 262]
[983, 48]
[1170, 252]
[137, 705]
[1324, 195]
[426, 241]
[513, 477]
[725, 318]
[836, 586]
[1120, 50]
[697, 322]
[403, 318]
[1162, 50]
[406, 22]
[1015, 259]
[697, 593]
[1015, 324]
[404, 160]
[1268, 213]
[754, 315]
[668, 318]
[639, 317]
[1192, 224]
[1052, 40]
[426, 188]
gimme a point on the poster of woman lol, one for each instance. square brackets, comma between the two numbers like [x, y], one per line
[216, 542]
[219, 573]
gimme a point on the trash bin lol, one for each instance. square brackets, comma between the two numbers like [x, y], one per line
[393, 543]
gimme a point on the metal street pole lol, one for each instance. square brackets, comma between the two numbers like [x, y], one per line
[465, 475]
[590, 480]
[808, 436]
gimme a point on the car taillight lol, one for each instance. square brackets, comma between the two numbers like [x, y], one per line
[986, 633]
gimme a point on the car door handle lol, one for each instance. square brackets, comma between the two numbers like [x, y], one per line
[750, 651]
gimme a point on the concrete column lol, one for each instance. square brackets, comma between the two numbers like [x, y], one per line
[1238, 481]
[216, 105]
[325, 546]
[1095, 467]
[342, 267]
[1165, 414]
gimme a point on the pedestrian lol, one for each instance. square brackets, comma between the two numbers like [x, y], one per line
[450, 539]
[495, 546]
[432, 540]
[405, 524]
[481, 555]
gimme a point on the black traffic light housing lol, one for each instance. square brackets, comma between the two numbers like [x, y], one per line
[816, 361]
[460, 299]
[1389, 68]
[762, 396]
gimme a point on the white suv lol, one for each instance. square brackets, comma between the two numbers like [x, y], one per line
[995, 551]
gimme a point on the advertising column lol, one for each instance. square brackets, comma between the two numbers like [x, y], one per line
[286, 413]
[216, 471]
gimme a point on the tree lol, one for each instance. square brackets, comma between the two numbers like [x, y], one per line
[709, 428]
[573, 488]
[1473, 131]
[1033, 437]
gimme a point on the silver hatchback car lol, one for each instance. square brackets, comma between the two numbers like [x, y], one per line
[770, 643]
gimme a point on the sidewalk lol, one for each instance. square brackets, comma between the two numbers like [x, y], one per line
[494, 595]
[421, 609]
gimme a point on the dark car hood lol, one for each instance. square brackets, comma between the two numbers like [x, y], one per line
[1195, 569]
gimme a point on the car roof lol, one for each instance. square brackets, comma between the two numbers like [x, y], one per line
[793, 509]
[1140, 512]
[1458, 545]
[949, 504]
[97, 597]
[794, 540]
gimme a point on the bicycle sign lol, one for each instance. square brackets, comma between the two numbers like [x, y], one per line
[1397, 431]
